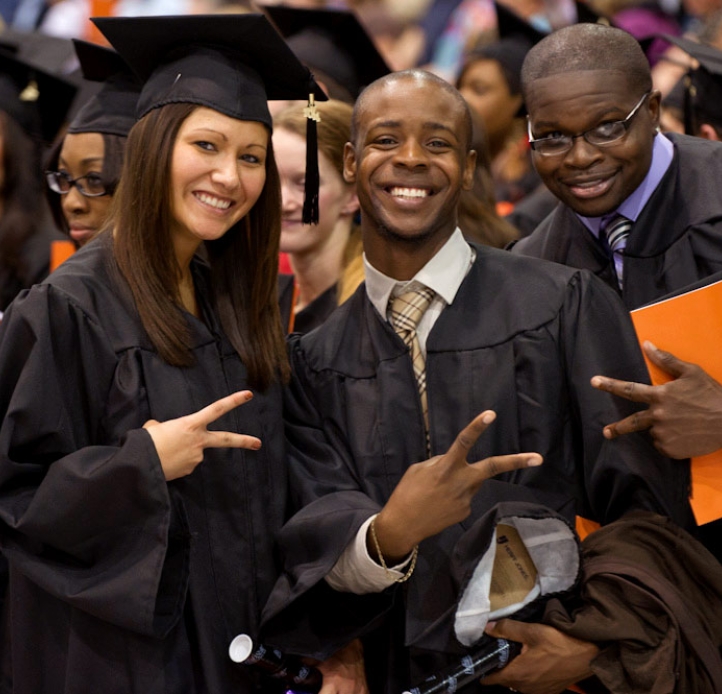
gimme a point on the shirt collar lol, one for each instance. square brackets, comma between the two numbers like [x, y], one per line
[444, 273]
[662, 155]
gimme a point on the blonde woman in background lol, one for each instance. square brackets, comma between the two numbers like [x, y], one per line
[325, 258]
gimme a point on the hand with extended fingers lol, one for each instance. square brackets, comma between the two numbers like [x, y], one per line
[684, 415]
[181, 442]
[437, 493]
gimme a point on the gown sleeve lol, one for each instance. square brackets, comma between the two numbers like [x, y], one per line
[331, 507]
[85, 512]
[627, 473]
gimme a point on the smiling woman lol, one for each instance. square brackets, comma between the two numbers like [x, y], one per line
[142, 482]
[218, 170]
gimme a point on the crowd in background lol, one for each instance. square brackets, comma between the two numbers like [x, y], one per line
[464, 41]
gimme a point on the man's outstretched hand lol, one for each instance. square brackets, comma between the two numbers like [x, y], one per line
[437, 493]
[684, 415]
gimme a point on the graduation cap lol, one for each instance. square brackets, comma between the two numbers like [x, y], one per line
[333, 43]
[112, 109]
[703, 84]
[585, 14]
[232, 64]
[36, 99]
[511, 25]
[50, 53]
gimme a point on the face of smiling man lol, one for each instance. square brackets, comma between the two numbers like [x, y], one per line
[590, 179]
[410, 162]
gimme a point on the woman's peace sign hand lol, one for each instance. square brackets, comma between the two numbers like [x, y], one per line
[181, 442]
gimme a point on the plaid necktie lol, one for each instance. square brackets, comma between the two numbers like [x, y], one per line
[617, 232]
[405, 312]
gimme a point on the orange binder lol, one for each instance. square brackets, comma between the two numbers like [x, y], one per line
[60, 251]
[690, 327]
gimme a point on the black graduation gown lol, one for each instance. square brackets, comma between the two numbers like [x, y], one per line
[523, 338]
[317, 311]
[529, 212]
[119, 581]
[310, 316]
[35, 257]
[676, 240]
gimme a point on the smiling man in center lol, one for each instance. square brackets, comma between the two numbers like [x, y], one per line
[381, 483]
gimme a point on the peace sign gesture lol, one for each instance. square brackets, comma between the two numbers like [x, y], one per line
[684, 415]
[437, 493]
[181, 442]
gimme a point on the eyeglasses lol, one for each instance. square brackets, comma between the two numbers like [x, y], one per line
[600, 136]
[92, 185]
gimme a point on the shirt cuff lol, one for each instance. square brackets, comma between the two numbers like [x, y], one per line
[356, 572]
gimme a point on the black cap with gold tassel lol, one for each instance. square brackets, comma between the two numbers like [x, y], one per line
[35, 99]
[231, 63]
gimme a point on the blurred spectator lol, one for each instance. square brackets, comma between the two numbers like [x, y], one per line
[318, 253]
[478, 217]
[33, 104]
[490, 82]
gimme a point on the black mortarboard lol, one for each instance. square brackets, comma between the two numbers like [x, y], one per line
[511, 25]
[232, 64]
[585, 14]
[331, 42]
[50, 53]
[703, 84]
[36, 99]
[112, 109]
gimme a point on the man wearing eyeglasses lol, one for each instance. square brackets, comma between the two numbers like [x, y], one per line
[640, 209]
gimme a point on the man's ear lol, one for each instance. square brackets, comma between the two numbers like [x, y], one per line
[349, 163]
[351, 206]
[655, 107]
[708, 132]
[467, 182]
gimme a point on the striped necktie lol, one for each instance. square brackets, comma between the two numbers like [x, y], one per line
[617, 232]
[405, 312]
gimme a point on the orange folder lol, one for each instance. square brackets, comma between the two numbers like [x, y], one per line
[60, 251]
[690, 327]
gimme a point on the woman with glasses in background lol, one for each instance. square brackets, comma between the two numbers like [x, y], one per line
[84, 167]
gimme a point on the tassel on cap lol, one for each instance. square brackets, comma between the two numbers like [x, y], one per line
[310, 202]
[31, 92]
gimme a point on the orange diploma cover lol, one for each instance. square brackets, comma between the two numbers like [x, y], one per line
[60, 251]
[690, 327]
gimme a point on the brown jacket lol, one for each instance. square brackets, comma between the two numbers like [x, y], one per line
[655, 595]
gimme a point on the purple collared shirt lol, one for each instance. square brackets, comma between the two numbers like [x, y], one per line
[662, 154]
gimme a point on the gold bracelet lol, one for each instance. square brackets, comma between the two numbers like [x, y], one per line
[382, 561]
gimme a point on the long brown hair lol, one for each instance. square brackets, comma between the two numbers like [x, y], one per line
[244, 262]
